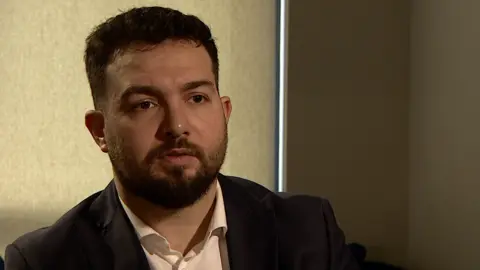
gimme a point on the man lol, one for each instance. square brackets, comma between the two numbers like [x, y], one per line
[153, 74]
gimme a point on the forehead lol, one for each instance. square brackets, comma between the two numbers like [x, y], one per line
[171, 62]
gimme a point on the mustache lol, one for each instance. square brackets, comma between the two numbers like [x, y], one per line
[187, 148]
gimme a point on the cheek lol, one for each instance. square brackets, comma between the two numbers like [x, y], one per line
[134, 140]
[211, 130]
[142, 140]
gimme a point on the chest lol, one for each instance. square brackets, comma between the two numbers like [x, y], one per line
[213, 254]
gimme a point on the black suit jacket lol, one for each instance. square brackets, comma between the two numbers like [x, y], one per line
[266, 231]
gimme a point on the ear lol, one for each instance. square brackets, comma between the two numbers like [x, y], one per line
[227, 107]
[95, 122]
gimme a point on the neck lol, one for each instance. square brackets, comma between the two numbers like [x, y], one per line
[183, 228]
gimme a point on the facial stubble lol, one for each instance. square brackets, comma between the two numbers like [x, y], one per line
[173, 188]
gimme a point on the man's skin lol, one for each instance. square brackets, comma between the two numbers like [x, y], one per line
[178, 98]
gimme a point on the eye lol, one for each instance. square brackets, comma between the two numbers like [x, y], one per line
[144, 105]
[198, 99]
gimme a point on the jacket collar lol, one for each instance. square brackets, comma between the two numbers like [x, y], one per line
[251, 235]
[126, 252]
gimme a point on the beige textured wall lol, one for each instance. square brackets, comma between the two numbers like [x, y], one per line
[48, 161]
[348, 116]
[445, 136]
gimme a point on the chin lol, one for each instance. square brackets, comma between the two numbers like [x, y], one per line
[190, 172]
[174, 172]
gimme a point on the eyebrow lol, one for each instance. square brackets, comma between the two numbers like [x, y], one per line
[155, 91]
[196, 84]
[139, 89]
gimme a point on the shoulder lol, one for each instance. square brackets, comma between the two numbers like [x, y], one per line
[285, 204]
[300, 220]
[305, 213]
[303, 223]
[44, 242]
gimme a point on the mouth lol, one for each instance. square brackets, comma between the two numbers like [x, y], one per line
[179, 156]
[178, 152]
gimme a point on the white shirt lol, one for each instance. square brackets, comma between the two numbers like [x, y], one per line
[210, 254]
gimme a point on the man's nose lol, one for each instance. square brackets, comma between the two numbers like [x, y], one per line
[176, 123]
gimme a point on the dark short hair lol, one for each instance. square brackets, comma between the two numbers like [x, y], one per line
[145, 25]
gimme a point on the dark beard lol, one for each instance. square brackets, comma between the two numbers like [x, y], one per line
[175, 190]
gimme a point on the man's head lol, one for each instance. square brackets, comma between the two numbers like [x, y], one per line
[153, 73]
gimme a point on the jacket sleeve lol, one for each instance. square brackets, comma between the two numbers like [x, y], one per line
[341, 257]
[14, 259]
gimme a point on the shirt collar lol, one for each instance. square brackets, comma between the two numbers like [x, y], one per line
[218, 222]
[219, 218]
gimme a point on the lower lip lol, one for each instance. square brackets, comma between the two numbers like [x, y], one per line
[180, 159]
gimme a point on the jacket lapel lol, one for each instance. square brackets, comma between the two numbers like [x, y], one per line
[124, 249]
[251, 235]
